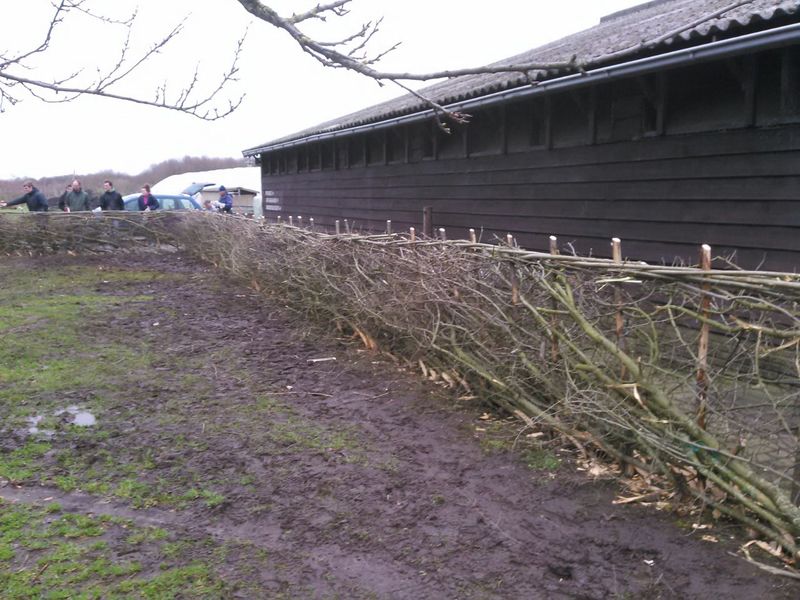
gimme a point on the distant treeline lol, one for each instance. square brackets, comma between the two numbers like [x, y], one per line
[52, 187]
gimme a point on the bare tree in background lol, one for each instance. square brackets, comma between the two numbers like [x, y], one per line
[351, 52]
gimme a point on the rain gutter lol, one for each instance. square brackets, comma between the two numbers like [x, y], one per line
[754, 42]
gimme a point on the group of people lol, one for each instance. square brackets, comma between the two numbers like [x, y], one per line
[75, 199]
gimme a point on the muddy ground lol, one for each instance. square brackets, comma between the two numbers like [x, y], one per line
[345, 478]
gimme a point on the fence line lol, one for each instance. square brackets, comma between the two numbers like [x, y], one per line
[539, 335]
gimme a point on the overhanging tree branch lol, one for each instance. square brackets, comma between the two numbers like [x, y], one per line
[16, 71]
[341, 55]
[349, 52]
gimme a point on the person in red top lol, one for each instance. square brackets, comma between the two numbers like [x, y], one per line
[147, 201]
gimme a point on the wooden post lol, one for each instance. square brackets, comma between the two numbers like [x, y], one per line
[442, 234]
[554, 303]
[702, 348]
[619, 321]
[338, 227]
[412, 234]
[514, 285]
[299, 221]
[514, 275]
[279, 219]
[291, 221]
[554, 245]
[472, 237]
[389, 226]
[311, 223]
[427, 221]
[347, 226]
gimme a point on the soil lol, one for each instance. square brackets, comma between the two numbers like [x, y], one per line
[357, 478]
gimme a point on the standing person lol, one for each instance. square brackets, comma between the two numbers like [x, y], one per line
[75, 199]
[62, 199]
[35, 199]
[147, 201]
[111, 198]
[225, 200]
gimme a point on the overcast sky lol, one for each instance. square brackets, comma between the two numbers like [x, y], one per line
[286, 90]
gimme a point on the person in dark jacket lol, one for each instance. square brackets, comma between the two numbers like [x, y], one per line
[62, 199]
[111, 198]
[74, 200]
[225, 200]
[35, 199]
[147, 201]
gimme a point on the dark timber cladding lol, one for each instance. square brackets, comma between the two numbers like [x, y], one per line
[666, 148]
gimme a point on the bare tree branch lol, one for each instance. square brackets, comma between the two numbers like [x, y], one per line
[338, 55]
[350, 52]
[318, 12]
[16, 70]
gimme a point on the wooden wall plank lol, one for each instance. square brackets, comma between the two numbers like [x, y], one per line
[664, 196]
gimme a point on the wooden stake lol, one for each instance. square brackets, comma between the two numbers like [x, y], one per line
[347, 226]
[311, 223]
[291, 221]
[619, 320]
[702, 349]
[389, 226]
[554, 245]
[472, 237]
[514, 275]
[338, 227]
[514, 286]
[442, 234]
[554, 316]
[412, 233]
[279, 219]
[299, 221]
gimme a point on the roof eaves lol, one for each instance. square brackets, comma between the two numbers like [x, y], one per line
[463, 90]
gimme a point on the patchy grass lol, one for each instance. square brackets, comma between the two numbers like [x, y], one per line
[23, 463]
[47, 553]
[45, 350]
[57, 357]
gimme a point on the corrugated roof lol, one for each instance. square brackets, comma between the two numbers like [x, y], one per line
[651, 28]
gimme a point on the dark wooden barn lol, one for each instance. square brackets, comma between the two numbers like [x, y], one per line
[682, 128]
